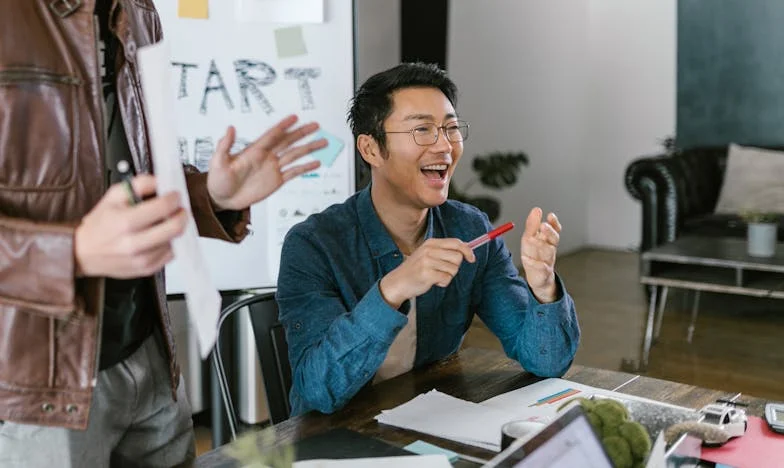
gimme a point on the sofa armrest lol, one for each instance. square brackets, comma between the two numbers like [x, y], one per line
[673, 188]
[651, 181]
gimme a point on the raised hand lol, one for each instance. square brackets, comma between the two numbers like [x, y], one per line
[434, 263]
[118, 240]
[237, 181]
[538, 248]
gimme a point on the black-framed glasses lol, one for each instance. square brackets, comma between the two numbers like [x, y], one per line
[427, 134]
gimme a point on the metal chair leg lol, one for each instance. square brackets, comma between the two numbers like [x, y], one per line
[694, 311]
[646, 347]
[660, 317]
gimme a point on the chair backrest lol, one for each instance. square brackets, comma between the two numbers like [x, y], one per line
[273, 355]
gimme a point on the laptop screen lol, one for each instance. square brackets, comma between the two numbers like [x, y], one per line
[569, 441]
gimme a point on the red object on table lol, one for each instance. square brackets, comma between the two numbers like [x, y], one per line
[760, 447]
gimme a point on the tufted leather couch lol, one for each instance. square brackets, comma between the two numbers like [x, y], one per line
[679, 192]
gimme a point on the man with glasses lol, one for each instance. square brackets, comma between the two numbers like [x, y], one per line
[385, 282]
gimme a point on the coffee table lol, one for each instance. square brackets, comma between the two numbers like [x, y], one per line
[711, 264]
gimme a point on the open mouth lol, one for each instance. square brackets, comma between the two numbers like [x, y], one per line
[435, 171]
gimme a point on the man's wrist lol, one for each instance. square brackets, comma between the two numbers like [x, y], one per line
[78, 271]
[388, 293]
[216, 207]
[547, 294]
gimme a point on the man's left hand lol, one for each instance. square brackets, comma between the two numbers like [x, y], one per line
[537, 252]
[237, 181]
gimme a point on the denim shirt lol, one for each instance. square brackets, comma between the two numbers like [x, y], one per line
[339, 327]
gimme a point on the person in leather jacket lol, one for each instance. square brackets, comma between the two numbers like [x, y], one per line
[89, 375]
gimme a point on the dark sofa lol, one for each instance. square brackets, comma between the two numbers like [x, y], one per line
[679, 192]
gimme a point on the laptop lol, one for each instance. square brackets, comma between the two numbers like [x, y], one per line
[569, 441]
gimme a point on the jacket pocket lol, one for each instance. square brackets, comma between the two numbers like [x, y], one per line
[26, 341]
[39, 115]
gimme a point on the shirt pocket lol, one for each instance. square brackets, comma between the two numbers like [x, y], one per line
[39, 115]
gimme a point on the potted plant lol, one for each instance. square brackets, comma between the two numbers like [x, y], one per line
[762, 233]
[495, 170]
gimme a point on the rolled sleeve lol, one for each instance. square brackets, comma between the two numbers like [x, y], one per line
[378, 318]
[543, 338]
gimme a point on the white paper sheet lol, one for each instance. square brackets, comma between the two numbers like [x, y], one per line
[657, 457]
[445, 416]
[280, 11]
[539, 401]
[201, 297]
[420, 461]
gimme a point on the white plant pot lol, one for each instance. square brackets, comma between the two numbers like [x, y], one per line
[762, 239]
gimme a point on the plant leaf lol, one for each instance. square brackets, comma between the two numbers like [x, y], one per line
[499, 169]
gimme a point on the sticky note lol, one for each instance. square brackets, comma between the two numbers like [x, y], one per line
[420, 447]
[329, 153]
[290, 42]
[199, 9]
[280, 11]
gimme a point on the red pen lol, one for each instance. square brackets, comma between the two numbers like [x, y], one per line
[485, 238]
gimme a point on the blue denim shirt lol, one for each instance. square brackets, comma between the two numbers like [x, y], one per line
[339, 327]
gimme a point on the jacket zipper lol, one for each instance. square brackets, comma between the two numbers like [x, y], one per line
[22, 75]
[104, 183]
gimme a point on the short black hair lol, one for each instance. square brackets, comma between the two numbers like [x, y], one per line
[372, 103]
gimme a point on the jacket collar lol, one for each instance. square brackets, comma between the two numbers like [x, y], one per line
[375, 233]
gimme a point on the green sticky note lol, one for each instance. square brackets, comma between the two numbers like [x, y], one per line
[290, 42]
[329, 153]
[420, 447]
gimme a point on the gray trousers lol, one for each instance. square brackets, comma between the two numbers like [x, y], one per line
[134, 422]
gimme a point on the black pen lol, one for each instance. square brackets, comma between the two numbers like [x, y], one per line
[125, 172]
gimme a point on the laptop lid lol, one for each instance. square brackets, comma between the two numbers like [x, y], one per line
[569, 441]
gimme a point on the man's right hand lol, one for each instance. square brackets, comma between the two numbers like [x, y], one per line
[119, 240]
[434, 263]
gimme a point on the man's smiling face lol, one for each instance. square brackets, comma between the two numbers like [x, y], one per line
[413, 174]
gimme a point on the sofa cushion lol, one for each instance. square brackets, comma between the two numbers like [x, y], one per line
[753, 181]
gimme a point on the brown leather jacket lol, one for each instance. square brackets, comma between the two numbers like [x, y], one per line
[51, 174]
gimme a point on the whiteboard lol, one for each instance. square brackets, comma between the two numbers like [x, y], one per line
[251, 74]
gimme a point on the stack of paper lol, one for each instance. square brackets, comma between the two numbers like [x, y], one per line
[441, 415]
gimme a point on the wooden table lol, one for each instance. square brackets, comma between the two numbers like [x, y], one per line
[699, 264]
[475, 375]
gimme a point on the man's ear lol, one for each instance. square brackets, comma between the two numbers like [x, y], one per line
[370, 150]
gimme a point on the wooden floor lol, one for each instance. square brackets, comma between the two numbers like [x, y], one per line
[738, 345]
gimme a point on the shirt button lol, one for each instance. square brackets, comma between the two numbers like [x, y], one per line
[543, 351]
[396, 255]
[540, 313]
[297, 325]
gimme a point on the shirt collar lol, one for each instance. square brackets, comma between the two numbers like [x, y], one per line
[375, 233]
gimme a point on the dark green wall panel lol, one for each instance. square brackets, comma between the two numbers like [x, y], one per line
[730, 72]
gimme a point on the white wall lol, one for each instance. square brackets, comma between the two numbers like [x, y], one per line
[631, 102]
[583, 87]
[520, 68]
[377, 36]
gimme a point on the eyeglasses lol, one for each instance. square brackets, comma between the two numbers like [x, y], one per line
[427, 134]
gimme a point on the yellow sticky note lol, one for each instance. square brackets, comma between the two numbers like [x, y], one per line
[199, 9]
